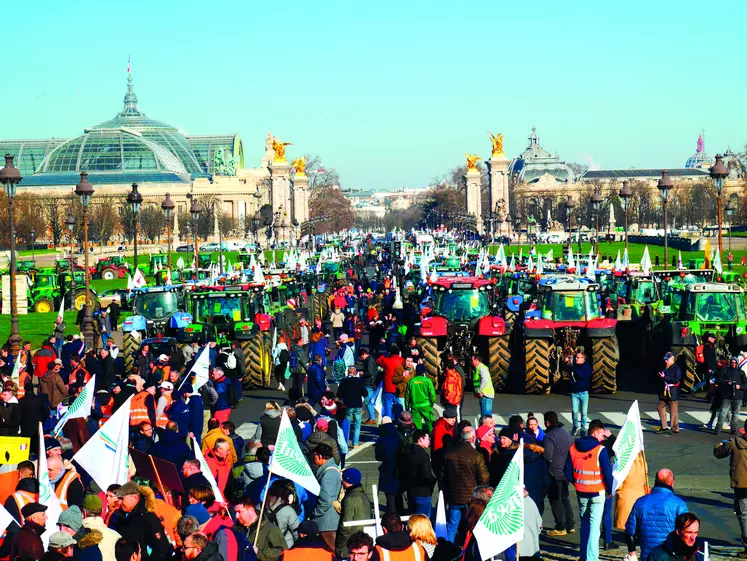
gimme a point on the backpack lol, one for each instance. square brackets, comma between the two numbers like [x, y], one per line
[231, 361]
[338, 369]
[244, 547]
[699, 356]
[293, 360]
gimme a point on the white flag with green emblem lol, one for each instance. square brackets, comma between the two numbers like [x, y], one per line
[628, 445]
[502, 523]
[46, 493]
[105, 455]
[205, 469]
[288, 461]
[81, 407]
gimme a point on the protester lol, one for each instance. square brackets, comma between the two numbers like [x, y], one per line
[580, 377]
[483, 386]
[140, 523]
[669, 394]
[328, 476]
[416, 475]
[682, 543]
[558, 442]
[355, 505]
[351, 391]
[397, 541]
[27, 543]
[736, 450]
[369, 373]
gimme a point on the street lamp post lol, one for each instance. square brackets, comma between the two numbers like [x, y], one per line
[195, 209]
[718, 173]
[518, 217]
[33, 242]
[596, 202]
[665, 185]
[85, 191]
[625, 195]
[70, 223]
[255, 227]
[729, 212]
[167, 206]
[569, 205]
[10, 177]
[135, 199]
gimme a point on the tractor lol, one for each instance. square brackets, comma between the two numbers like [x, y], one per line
[459, 318]
[568, 317]
[111, 267]
[226, 314]
[693, 310]
[49, 287]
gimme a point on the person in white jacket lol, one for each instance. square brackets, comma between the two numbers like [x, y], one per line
[92, 509]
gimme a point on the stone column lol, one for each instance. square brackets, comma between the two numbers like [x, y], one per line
[498, 174]
[280, 191]
[300, 200]
[473, 196]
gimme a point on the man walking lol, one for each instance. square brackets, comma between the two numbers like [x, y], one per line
[558, 443]
[580, 376]
[669, 395]
[417, 474]
[370, 372]
[352, 391]
[731, 383]
[589, 469]
[420, 396]
[483, 386]
[736, 450]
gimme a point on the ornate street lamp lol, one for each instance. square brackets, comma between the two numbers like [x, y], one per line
[135, 199]
[33, 242]
[718, 173]
[167, 206]
[195, 209]
[85, 191]
[10, 177]
[729, 212]
[665, 185]
[70, 224]
[625, 194]
[569, 205]
[256, 219]
[596, 202]
[518, 218]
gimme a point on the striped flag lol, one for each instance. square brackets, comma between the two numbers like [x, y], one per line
[128, 63]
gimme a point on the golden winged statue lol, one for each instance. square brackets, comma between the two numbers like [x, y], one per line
[497, 140]
[472, 161]
[299, 164]
[279, 148]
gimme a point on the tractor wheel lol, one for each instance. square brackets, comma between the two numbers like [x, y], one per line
[318, 301]
[257, 361]
[122, 272]
[499, 360]
[685, 357]
[44, 305]
[538, 376]
[79, 299]
[431, 358]
[109, 274]
[509, 317]
[130, 345]
[605, 355]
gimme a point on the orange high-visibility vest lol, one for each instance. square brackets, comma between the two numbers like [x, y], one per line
[74, 375]
[106, 412]
[413, 553]
[138, 410]
[587, 473]
[305, 553]
[23, 498]
[161, 418]
[63, 485]
[23, 376]
[165, 370]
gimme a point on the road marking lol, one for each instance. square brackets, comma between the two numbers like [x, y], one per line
[616, 419]
[701, 417]
[361, 447]
[247, 430]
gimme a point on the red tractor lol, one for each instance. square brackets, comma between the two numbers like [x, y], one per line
[569, 316]
[459, 317]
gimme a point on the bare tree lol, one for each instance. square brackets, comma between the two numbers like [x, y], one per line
[103, 218]
[152, 222]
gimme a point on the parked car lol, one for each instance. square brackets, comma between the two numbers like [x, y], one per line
[118, 295]
[209, 247]
[189, 248]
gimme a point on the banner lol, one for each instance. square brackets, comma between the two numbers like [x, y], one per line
[628, 445]
[200, 369]
[81, 407]
[205, 468]
[46, 493]
[288, 461]
[502, 523]
[14, 449]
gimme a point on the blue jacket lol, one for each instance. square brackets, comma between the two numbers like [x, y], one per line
[386, 453]
[652, 518]
[172, 448]
[580, 377]
[221, 386]
[179, 413]
[317, 381]
[196, 409]
[586, 444]
[318, 348]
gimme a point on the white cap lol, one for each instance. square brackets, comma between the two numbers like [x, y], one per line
[163, 358]
[167, 386]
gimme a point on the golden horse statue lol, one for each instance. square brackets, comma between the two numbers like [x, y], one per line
[497, 140]
[472, 161]
[299, 164]
[279, 149]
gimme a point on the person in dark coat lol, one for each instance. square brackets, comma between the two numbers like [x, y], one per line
[385, 452]
[669, 394]
[180, 413]
[10, 413]
[171, 446]
[731, 383]
[114, 314]
[28, 543]
[34, 410]
[107, 370]
[192, 476]
[140, 523]
[317, 380]
[142, 438]
[29, 485]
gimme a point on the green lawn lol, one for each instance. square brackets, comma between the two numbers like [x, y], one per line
[36, 327]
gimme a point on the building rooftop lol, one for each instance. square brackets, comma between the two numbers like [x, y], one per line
[634, 173]
[535, 161]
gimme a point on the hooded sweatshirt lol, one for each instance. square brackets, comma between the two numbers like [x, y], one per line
[587, 444]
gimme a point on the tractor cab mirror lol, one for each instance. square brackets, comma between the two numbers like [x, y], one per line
[425, 311]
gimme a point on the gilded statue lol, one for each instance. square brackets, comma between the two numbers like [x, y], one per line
[472, 161]
[299, 164]
[279, 148]
[497, 140]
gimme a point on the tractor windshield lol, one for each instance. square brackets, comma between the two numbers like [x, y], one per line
[644, 292]
[156, 305]
[715, 306]
[576, 305]
[228, 307]
[462, 306]
[524, 287]
[42, 281]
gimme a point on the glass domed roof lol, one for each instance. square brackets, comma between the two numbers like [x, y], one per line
[130, 141]
[700, 159]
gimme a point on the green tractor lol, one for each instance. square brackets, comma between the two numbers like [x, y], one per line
[111, 267]
[49, 287]
[692, 310]
[226, 314]
[26, 267]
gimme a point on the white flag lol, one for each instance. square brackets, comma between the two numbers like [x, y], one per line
[180, 263]
[61, 313]
[138, 279]
[5, 519]
[200, 369]
[105, 455]
[717, 266]
[502, 523]
[440, 527]
[46, 493]
[130, 286]
[259, 276]
[205, 468]
[378, 406]
[628, 445]
[288, 461]
[81, 407]
[646, 261]
[16, 374]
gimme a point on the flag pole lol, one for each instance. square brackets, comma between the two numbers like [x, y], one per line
[166, 498]
[646, 487]
[262, 510]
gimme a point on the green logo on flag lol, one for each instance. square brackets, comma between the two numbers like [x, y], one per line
[626, 443]
[289, 456]
[504, 514]
[79, 401]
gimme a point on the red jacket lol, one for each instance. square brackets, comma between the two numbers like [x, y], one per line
[440, 430]
[221, 469]
[389, 364]
[42, 358]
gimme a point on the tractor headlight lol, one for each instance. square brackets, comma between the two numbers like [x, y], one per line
[740, 329]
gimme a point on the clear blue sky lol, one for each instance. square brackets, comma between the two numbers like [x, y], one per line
[391, 93]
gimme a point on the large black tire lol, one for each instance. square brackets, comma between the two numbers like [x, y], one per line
[78, 299]
[685, 357]
[604, 358]
[129, 347]
[499, 361]
[509, 317]
[431, 358]
[538, 376]
[44, 305]
[257, 361]
[109, 274]
[318, 306]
